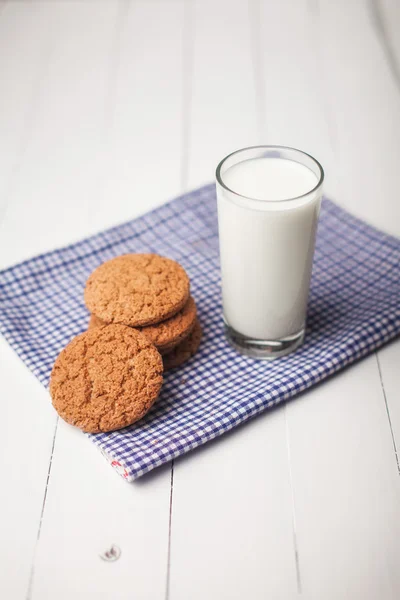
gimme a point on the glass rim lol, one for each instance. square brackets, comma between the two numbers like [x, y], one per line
[270, 147]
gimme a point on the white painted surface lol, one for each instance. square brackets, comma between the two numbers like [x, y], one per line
[107, 109]
[346, 488]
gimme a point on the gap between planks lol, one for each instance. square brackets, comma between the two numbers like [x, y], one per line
[388, 412]
[254, 8]
[32, 574]
[123, 9]
[187, 89]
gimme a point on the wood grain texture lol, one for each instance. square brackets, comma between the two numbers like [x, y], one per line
[145, 154]
[28, 422]
[233, 497]
[223, 113]
[107, 109]
[28, 425]
[134, 518]
[346, 488]
[233, 533]
[22, 39]
[347, 460]
[363, 97]
[61, 172]
[88, 510]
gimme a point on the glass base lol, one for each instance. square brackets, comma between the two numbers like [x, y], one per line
[263, 349]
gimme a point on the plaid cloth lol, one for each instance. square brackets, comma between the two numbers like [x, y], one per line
[353, 310]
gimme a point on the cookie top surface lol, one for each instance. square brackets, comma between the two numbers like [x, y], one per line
[137, 289]
[185, 350]
[106, 378]
[167, 334]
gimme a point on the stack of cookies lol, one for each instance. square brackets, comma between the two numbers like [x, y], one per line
[152, 294]
[143, 322]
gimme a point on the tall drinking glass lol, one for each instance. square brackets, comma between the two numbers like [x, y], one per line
[268, 205]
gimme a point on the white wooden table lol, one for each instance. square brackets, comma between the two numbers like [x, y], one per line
[107, 109]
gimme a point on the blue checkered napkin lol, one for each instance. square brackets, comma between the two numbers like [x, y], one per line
[354, 309]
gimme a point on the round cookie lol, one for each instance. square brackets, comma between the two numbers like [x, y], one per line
[167, 334]
[186, 349]
[137, 289]
[106, 378]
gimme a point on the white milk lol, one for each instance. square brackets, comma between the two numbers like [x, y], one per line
[267, 245]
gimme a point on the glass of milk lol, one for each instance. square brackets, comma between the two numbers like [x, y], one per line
[268, 204]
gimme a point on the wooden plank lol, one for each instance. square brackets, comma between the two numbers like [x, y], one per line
[232, 532]
[58, 181]
[346, 488]
[363, 94]
[88, 507]
[24, 52]
[28, 421]
[297, 113]
[343, 467]
[145, 150]
[385, 15]
[223, 113]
